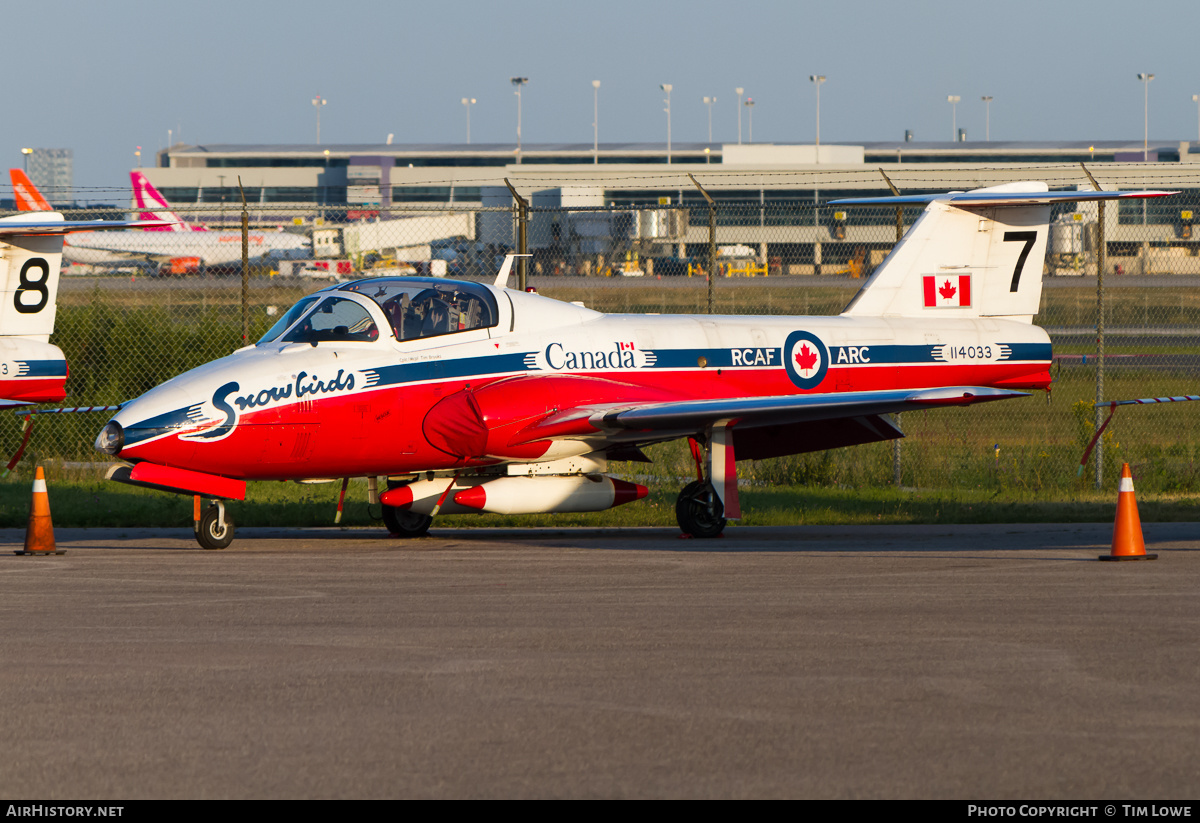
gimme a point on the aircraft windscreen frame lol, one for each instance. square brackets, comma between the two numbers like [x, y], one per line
[335, 320]
[290, 316]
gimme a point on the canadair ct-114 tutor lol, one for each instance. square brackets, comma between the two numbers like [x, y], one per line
[169, 242]
[32, 370]
[478, 398]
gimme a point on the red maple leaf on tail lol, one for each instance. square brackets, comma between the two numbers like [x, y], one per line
[806, 358]
[947, 291]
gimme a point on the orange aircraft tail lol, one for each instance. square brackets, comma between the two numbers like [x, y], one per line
[26, 194]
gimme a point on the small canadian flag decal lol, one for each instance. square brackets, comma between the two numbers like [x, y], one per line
[947, 291]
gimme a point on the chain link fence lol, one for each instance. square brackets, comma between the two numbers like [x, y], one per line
[129, 321]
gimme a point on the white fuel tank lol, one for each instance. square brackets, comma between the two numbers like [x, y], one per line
[515, 495]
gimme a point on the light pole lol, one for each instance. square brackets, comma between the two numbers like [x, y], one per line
[468, 102]
[749, 119]
[1146, 78]
[518, 82]
[708, 101]
[596, 122]
[25, 159]
[953, 99]
[667, 88]
[318, 102]
[1196, 100]
[739, 91]
[987, 128]
[325, 185]
[138, 155]
[817, 80]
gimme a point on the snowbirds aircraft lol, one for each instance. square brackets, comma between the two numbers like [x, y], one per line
[169, 242]
[478, 398]
[32, 370]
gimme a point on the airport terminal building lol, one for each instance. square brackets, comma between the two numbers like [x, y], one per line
[770, 197]
[378, 176]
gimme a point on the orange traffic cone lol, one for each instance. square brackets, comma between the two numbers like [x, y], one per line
[39, 534]
[1127, 530]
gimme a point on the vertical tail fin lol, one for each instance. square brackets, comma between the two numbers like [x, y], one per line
[965, 259]
[153, 206]
[970, 254]
[29, 269]
[32, 370]
[26, 194]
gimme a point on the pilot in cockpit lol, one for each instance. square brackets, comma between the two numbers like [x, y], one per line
[403, 316]
[432, 312]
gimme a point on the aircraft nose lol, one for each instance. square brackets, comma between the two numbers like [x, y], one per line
[155, 414]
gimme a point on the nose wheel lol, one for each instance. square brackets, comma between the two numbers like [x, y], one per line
[215, 528]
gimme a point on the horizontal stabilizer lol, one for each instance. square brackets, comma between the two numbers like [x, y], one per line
[72, 410]
[31, 223]
[992, 198]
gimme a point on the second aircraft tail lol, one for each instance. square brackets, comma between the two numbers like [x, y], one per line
[153, 206]
[26, 194]
[970, 254]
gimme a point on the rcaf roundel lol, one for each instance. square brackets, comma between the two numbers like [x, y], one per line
[806, 359]
[949, 291]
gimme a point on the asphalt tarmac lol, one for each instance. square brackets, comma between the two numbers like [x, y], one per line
[970, 662]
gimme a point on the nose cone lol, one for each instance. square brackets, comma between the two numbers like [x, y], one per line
[156, 414]
[111, 438]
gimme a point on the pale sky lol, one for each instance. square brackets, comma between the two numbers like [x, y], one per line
[103, 78]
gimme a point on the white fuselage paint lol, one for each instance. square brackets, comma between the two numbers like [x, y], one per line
[213, 248]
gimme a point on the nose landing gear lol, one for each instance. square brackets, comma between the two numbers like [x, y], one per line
[214, 530]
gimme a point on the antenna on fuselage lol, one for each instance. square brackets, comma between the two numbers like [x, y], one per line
[506, 269]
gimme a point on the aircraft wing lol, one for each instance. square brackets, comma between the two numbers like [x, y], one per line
[661, 419]
[804, 408]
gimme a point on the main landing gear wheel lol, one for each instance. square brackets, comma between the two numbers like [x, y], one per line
[699, 510]
[216, 532]
[404, 523]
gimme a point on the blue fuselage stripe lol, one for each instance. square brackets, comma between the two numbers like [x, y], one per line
[43, 368]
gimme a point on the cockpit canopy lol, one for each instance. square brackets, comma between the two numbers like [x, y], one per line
[415, 308]
[420, 307]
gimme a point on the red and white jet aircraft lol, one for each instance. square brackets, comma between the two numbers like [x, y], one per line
[32, 370]
[473, 397]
